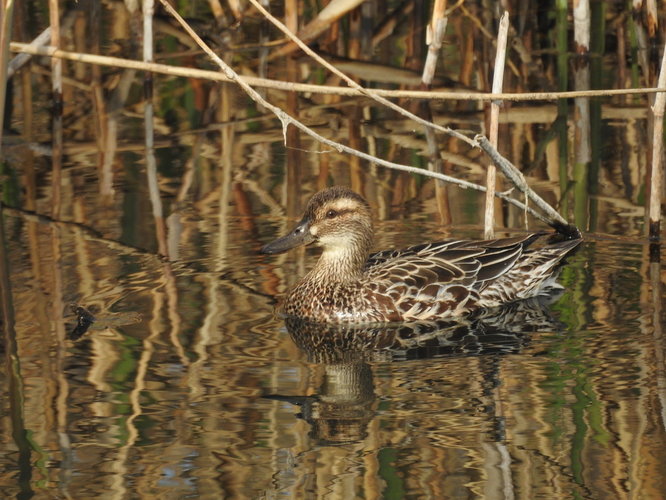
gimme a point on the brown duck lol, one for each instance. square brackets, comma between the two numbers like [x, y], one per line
[423, 282]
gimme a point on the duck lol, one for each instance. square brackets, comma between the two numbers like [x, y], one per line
[429, 281]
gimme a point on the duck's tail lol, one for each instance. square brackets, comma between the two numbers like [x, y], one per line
[535, 273]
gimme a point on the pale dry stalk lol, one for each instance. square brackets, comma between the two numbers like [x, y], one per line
[56, 81]
[657, 175]
[5, 37]
[498, 77]
[434, 39]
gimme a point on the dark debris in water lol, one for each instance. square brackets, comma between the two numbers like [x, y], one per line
[84, 320]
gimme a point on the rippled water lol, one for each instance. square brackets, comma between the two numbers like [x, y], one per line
[128, 375]
[188, 386]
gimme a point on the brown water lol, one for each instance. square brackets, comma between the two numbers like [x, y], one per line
[187, 386]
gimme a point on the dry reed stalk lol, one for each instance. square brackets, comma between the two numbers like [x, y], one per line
[187, 72]
[657, 174]
[217, 10]
[582, 127]
[56, 80]
[326, 17]
[236, 9]
[498, 78]
[479, 24]
[148, 10]
[652, 17]
[5, 38]
[434, 39]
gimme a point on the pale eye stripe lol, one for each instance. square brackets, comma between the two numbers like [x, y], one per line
[343, 205]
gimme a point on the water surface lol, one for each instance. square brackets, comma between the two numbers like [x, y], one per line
[187, 385]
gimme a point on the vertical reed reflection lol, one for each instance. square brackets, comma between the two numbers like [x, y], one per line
[59, 377]
[15, 387]
[172, 407]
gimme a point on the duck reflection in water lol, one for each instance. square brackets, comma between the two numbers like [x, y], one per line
[346, 400]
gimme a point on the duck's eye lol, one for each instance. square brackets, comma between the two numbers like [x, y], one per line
[331, 214]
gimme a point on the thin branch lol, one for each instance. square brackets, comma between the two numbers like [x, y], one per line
[165, 69]
[352, 83]
[288, 120]
[518, 180]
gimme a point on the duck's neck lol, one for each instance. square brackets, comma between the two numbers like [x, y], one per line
[340, 264]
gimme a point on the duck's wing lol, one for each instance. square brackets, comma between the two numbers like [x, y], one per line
[463, 261]
[441, 278]
[446, 277]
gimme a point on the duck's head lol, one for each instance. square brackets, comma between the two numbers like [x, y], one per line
[337, 219]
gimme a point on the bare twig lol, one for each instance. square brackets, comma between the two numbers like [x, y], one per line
[166, 69]
[498, 77]
[288, 120]
[352, 83]
[44, 38]
[518, 180]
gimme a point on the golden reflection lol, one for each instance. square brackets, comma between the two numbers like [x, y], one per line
[185, 385]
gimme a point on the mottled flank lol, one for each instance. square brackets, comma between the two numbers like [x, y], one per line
[422, 282]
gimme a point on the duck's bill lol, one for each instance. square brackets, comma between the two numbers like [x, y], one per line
[300, 235]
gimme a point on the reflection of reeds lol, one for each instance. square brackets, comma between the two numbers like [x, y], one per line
[15, 388]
